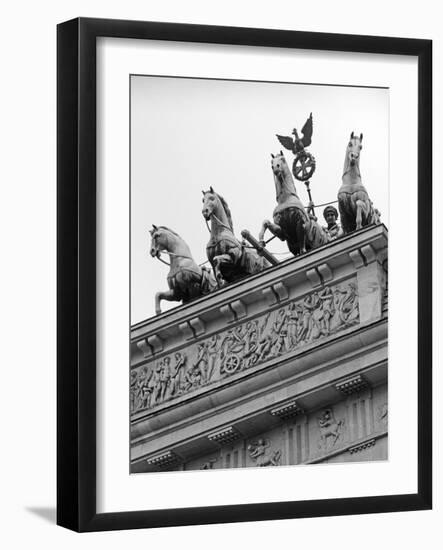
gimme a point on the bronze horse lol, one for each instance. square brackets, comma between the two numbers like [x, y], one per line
[186, 279]
[230, 259]
[356, 209]
[291, 221]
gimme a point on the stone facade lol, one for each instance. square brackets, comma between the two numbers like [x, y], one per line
[288, 366]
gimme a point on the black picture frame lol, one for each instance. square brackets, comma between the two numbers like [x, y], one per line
[76, 265]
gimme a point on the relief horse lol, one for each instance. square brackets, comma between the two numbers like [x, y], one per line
[186, 279]
[231, 260]
[291, 221]
[356, 209]
[262, 455]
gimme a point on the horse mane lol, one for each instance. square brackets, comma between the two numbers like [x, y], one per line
[227, 210]
[172, 232]
[225, 207]
[169, 229]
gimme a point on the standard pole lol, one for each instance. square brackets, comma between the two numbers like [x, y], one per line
[260, 249]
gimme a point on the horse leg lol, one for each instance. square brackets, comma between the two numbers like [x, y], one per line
[336, 434]
[273, 228]
[346, 216]
[301, 232]
[165, 295]
[362, 209]
[223, 259]
[337, 431]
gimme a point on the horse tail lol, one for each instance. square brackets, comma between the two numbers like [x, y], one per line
[366, 210]
[208, 282]
[292, 222]
[315, 235]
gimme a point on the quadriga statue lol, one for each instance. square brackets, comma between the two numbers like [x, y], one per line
[291, 221]
[356, 208]
[186, 279]
[230, 258]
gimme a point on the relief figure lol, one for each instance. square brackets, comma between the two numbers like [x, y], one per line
[262, 455]
[330, 429]
[280, 331]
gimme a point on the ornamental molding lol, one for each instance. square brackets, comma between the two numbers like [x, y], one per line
[155, 342]
[287, 410]
[352, 384]
[362, 446]
[225, 436]
[319, 275]
[275, 294]
[163, 460]
[233, 311]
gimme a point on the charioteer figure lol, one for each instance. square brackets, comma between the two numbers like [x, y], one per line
[334, 229]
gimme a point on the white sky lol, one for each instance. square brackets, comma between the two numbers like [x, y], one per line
[189, 134]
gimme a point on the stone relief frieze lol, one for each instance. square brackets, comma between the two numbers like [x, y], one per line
[271, 335]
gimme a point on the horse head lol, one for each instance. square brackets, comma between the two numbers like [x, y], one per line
[353, 150]
[210, 203]
[283, 180]
[160, 240]
[279, 165]
[215, 206]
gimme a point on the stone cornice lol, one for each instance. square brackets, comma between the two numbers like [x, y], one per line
[287, 410]
[163, 460]
[352, 384]
[319, 263]
[225, 436]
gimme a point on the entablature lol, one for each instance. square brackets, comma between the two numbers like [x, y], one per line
[297, 384]
[264, 320]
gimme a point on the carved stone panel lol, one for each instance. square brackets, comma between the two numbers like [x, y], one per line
[330, 430]
[262, 453]
[278, 332]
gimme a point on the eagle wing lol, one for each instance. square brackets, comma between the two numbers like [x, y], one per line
[307, 132]
[286, 141]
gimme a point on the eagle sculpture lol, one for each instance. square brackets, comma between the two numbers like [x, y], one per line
[297, 145]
